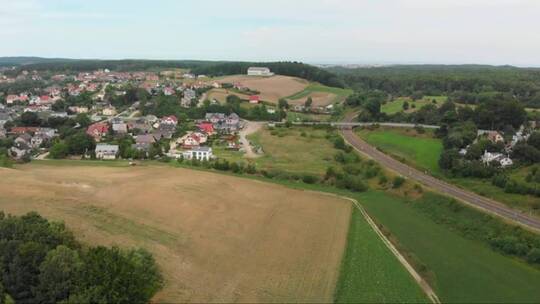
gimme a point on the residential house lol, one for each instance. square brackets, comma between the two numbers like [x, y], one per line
[206, 127]
[106, 151]
[259, 71]
[200, 153]
[503, 161]
[78, 109]
[4, 117]
[169, 120]
[20, 149]
[192, 139]
[224, 124]
[98, 130]
[495, 137]
[120, 128]
[143, 142]
[254, 99]
[168, 91]
[109, 111]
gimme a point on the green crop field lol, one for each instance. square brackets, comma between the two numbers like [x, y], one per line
[421, 151]
[370, 273]
[459, 269]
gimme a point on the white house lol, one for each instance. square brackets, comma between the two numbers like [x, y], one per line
[200, 153]
[106, 152]
[259, 71]
[505, 162]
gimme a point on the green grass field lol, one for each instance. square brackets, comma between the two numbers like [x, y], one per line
[316, 87]
[460, 270]
[288, 150]
[396, 105]
[301, 117]
[370, 273]
[416, 149]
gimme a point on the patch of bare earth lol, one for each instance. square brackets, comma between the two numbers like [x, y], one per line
[271, 88]
[217, 238]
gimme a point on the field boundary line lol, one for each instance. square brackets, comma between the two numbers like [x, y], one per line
[416, 276]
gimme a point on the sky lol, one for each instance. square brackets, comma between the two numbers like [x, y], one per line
[315, 31]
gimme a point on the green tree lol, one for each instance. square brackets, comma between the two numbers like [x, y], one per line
[58, 275]
[283, 104]
[30, 119]
[80, 143]
[309, 102]
[534, 140]
[59, 150]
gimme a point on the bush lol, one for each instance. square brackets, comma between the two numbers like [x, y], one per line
[397, 182]
[310, 179]
[534, 256]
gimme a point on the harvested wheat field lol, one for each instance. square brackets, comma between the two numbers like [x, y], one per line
[217, 238]
[271, 88]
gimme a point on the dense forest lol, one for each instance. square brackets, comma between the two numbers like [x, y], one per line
[471, 84]
[41, 262]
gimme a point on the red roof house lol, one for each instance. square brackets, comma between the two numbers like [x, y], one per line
[206, 127]
[254, 99]
[97, 130]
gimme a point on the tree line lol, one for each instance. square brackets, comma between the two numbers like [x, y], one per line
[471, 84]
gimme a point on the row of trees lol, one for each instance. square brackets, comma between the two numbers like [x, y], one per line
[42, 262]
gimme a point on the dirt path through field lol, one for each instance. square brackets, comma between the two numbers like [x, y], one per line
[250, 127]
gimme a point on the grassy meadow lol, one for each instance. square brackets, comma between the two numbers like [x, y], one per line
[341, 94]
[395, 106]
[297, 149]
[420, 150]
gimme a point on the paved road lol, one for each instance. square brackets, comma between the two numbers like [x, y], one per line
[470, 198]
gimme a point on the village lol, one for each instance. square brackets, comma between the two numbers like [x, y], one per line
[86, 102]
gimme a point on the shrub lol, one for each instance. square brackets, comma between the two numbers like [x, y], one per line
[534, 256]
[397, 182]
[310, 179]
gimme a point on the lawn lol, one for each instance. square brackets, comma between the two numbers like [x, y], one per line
[460, 270]
[420, 150]
[370, 273]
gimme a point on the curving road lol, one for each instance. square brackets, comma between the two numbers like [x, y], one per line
[465, 196]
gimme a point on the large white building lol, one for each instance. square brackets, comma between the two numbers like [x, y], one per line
[259, 71]
[106, 152]
[200, 153]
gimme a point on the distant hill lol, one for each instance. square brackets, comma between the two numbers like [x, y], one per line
[18, 61]
[214, 68]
